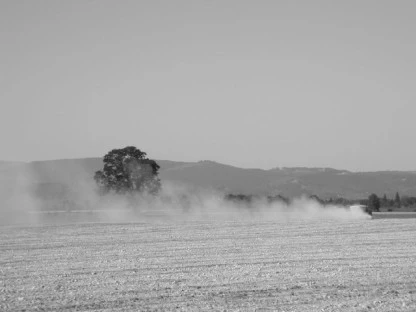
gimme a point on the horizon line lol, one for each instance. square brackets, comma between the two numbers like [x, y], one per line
[225, 164]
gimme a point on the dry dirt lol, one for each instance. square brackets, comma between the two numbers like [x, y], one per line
[366, 265]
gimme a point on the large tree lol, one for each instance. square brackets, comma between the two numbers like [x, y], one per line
[128, 170]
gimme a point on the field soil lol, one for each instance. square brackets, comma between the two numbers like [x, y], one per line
[365, 265]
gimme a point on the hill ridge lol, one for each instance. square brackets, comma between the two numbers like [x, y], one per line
[287, 181]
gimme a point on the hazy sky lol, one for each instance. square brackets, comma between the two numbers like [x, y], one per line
[247, 83]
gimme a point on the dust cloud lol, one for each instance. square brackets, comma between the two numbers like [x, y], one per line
[22, 203]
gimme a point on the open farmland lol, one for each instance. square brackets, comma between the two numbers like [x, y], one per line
[364, 265]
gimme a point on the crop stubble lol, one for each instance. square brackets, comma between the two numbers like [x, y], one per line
[295, 266]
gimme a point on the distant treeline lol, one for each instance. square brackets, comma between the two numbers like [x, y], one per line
[373, 201]
[248, 199]
[381, 202]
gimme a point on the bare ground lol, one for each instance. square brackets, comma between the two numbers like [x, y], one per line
[366, 265]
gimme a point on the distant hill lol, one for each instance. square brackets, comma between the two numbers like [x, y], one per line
[58, 175]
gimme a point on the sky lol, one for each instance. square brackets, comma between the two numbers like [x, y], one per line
[257, 84]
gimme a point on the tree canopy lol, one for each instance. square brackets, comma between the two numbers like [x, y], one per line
[374, 202]
[397, 200]
[128, 170]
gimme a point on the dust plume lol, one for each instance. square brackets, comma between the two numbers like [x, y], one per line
[26, 202]
[17, 204]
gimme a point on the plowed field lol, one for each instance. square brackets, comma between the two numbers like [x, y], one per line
[366, 265]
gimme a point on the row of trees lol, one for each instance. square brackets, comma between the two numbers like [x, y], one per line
[248, 199]
[398, 202]
[373, 202]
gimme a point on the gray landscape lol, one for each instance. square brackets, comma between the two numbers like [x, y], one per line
[204, 155]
